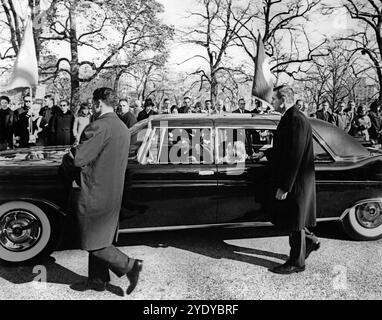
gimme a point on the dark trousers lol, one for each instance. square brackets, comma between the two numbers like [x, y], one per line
[299, 241]
[109, 258]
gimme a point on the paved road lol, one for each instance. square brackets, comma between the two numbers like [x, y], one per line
[216, 264]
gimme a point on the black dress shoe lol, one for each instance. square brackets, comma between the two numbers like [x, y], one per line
[90, 284]
[133, 275]
[314, 247]
[287, 268]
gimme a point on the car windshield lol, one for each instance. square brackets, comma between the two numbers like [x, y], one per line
[341, 143]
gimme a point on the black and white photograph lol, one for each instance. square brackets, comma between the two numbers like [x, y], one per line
[198, 153]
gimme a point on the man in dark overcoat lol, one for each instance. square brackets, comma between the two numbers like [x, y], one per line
[292, 202]
[241, 108]
[7, 121]
[102, 156]
[61, 125]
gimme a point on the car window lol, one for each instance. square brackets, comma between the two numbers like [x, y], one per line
[320, 154]
[136, 141]
[236, 145]
[180, 146]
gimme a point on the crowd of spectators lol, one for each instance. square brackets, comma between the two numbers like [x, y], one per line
[362, 122]
[57, 124]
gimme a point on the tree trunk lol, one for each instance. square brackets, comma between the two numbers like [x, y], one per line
[214, 89]
[74, 63]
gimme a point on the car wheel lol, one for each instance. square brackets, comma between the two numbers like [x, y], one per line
[26, 232]
[364, 221]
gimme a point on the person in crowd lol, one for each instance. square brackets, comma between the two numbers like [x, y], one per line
[37, 124]
[174, 109]
[126, 116]
[375, 115]
[208, 106]
[97, 199]
[47, 112]
[219, 107]
[241, 108]
[312, 109]
[325, 113]
[62, 125]
[257, 108]
[136, 108]
[342, 118]
[361, 124]
[147, 111]
[351, 110]
[22, 124]
[156, 108]
[301, 106]
[7, 122]
[166, 106]
[292, 203]
[186, 105]
[198, 108]
[81, 121]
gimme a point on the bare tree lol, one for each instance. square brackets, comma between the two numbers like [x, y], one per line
[286, 40]
[333, 77]
[136, 29]
[215, 32]
[366, 37]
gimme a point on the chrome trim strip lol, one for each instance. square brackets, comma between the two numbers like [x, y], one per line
[199, 226]
[230, 225]
[347, 182]
[328, 219]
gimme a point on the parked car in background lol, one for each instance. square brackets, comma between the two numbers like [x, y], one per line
[189, 171]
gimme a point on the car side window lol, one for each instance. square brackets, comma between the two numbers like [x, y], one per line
[136, 141]
[236, 145]
[320, 154]
[180, 146]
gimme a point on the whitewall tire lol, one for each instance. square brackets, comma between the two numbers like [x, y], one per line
[26, 232]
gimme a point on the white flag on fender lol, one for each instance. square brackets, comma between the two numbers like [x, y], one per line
[25, 70]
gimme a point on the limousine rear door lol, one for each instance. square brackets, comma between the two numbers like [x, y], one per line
[242, 182]
[172, 178]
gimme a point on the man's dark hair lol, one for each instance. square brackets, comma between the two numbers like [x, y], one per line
[5, 98]
[148, 103]
[66, 101]
[106, 95]
[186, 98]
[121, 100]
[286, 92]
[208, 100]
[49, 97]
[165, 99]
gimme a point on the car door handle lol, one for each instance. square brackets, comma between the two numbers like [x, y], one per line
[206, 173]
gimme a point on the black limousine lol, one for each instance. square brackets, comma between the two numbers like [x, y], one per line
[190, 171]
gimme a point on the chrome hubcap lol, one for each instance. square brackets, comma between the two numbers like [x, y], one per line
[369, 215]
[19, 230]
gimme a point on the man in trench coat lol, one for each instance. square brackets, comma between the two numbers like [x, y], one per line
[102, 158]
[292, 202]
